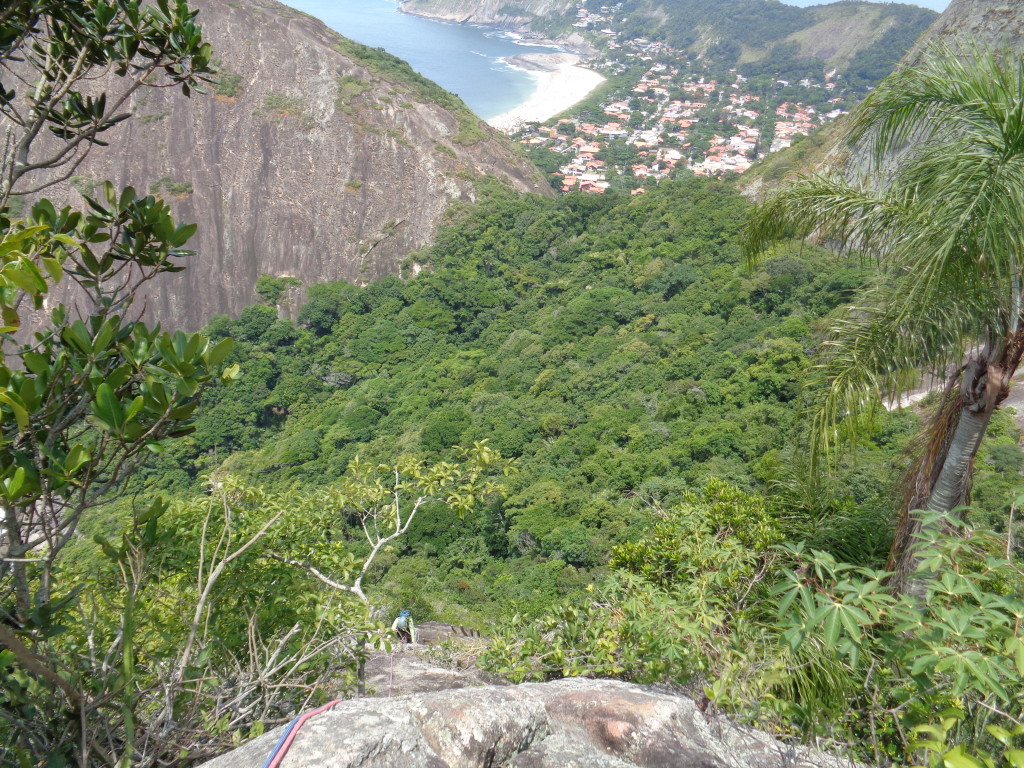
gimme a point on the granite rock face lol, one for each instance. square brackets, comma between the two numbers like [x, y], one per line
[304, 162]
[994, 23]
[577, 723]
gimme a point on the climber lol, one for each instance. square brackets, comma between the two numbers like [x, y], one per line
[404, 628]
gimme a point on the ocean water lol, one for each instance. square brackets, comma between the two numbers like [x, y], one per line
[463, 59]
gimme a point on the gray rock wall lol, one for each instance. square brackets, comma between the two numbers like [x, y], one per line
[996, 23]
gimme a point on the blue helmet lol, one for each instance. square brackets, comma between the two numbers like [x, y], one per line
[405, 613]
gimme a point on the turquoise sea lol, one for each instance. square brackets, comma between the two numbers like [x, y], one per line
[462, 59]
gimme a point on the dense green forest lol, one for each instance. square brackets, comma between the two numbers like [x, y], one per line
[645, 384]
[647, 387]
[640, 437]
[613, 347]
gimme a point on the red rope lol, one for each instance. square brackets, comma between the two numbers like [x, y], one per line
[274, 761]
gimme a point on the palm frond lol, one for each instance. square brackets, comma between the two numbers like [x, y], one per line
[826, 206]
[877, 351]
[955, 87]
[945, 224]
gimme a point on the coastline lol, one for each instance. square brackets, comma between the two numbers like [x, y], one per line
[561, 82]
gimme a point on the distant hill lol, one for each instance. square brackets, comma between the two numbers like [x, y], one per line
[314, 157]
[993, 23]
[862, 40]
[508, 14]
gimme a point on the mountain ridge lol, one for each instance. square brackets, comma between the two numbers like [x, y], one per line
[505, 14]
[992, 23]
[745, 30]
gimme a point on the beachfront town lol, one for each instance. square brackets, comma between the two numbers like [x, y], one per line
[669, 113]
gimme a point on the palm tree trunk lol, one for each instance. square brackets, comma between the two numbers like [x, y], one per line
[942, 481]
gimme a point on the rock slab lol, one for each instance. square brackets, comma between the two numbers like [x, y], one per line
[575, 723]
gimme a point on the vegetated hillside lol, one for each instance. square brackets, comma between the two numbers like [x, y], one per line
[313, 157]
[992, 23]
[860, 40]
[613, 346]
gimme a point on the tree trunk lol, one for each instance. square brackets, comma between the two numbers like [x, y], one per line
[942, 481]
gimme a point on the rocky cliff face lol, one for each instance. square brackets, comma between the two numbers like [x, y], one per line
[577, 723]
[505, 14]
[995, 23]
[992, 23]
[313, 158]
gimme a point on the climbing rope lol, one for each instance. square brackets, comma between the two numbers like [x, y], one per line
[284, 743]
[391, 677]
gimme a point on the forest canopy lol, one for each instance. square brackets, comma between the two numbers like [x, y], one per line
[577, 428]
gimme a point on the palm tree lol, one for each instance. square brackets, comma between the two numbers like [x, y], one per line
[941, 211]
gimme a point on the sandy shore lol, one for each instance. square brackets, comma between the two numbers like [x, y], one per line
[561, 82]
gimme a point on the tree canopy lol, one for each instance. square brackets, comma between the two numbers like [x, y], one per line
[92, 390]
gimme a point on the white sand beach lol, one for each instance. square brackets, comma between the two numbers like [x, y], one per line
[561, 82]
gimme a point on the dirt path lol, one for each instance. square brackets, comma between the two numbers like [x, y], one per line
[428, 665]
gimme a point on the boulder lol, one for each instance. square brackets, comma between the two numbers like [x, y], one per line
[574, 723]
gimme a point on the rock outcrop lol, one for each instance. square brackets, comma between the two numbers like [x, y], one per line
[994, 23]
[513, 15]
[313, 158]
[407, 671]
[440, 660]
[576, 723]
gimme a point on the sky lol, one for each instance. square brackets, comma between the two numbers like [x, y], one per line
[935, 5]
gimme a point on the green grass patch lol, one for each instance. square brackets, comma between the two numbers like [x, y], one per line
[279, 106]
[153, 117]
[228, 84]
[167, 186]
[84, 185]
[349, 88]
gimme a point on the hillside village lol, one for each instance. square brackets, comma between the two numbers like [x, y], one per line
[669, 113]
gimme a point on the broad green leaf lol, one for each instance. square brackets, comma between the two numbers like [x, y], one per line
[20, 414]
[832, 628]
[107, 407]
[222, 349]
[36, 363]
[1000, 734]
[53, 268]
[76, 458]
[956, 758]
[24, 279]
[15, 484]
[230, 373]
